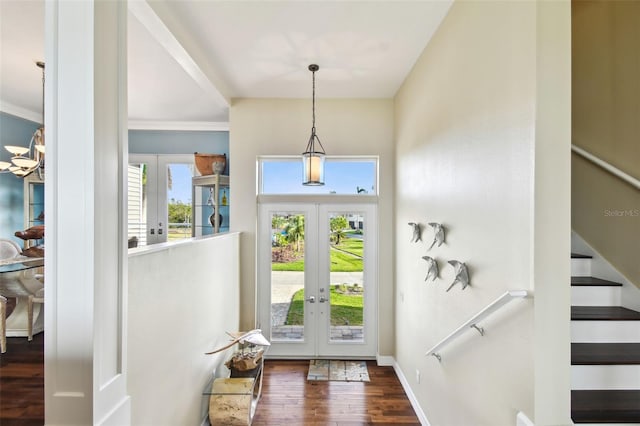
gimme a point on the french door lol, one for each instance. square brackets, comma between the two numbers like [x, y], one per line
[317, 279]
[156, 183]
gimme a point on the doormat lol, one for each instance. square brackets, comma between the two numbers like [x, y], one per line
[339, 371]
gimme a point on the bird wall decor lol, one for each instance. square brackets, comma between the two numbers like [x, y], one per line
[462, 274]
[417, 232]
[432, 268]
[438, 234]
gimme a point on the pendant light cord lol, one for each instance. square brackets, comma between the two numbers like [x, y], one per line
[313, 104]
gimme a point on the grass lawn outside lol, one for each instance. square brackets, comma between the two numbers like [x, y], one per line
[178, 233]
[340, 261]
[297, 266]
[352, 245]
[346, 309]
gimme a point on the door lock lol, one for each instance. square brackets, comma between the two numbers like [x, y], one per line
[311, 299]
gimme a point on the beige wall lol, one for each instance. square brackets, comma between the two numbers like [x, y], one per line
[466, 135]
[606, 214]
[282, 127]
[606, 87]
[552, 211]
[605, 122]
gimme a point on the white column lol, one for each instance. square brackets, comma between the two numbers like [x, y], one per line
[85, 196]
[552, 214]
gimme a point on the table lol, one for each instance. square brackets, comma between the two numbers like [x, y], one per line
[233, 401]
[18, 280]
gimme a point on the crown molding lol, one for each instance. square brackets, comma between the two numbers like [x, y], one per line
[27, 114]
[211, 126]
[207, 126]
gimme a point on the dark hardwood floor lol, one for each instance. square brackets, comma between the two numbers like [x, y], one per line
[22, 382]
[289, 399]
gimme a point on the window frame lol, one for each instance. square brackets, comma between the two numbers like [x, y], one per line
[261, 160]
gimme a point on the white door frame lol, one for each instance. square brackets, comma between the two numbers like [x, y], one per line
[317, 255]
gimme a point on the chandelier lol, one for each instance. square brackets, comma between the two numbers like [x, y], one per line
[313, 158]
[29, 159]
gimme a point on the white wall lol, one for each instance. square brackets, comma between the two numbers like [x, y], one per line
[282, 127]
[182, 299]
[466, 134]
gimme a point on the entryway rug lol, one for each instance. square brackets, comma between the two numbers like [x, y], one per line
[341, 371]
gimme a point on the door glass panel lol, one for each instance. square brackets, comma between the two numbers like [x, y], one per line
[347, 287]
[137, 204]
[287, 276]
[179, 200]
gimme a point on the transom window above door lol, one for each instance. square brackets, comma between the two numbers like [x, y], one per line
[343, 176]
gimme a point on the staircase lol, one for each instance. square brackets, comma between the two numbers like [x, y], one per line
[605, 350]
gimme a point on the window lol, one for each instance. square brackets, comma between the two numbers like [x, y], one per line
[343, 176]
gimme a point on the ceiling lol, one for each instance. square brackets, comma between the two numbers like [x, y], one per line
[188, 59]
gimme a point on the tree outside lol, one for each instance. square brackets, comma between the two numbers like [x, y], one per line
[179, 215]
[338, 226]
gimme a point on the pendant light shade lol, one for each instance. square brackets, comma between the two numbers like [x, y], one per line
[314, 155]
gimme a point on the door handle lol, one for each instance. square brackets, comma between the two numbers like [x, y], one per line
[311, 299]
[322, 299]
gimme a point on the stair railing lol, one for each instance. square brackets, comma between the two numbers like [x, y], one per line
[474, 320]
[606, 166]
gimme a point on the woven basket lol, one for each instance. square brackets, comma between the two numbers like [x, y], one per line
[208, 164]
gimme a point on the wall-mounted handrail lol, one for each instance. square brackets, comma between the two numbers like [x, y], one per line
[474, 320]
[606, 166]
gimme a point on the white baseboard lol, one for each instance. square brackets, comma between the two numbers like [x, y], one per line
[412, 398]
[385, 360]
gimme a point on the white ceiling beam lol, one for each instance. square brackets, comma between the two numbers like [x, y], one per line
[156, 27]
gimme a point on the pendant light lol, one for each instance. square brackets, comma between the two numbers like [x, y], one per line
[313, 157]
[26, 160]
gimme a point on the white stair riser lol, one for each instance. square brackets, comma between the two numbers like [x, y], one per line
[595, 296]
[580, 267]
[605, 377]
[605, 331]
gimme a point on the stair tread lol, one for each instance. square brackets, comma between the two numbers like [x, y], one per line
[605, 354]
[593, 281]
[613, 406]
[580, 256]
[603, 313]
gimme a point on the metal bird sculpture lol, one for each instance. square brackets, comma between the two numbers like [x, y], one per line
[438, 234]
[417, 233]
[462, 275]
[432, 268]
[253, 337]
